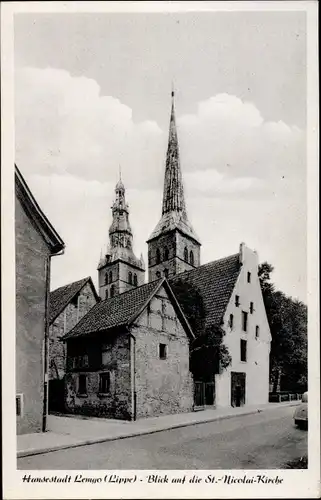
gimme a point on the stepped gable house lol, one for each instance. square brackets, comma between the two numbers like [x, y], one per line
[36, 242]
[231, 298]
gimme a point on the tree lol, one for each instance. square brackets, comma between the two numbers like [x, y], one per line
[288, 324]
[208, 353]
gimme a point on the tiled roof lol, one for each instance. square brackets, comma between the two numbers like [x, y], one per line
[114, 312]
[215, 282]
[61, 297]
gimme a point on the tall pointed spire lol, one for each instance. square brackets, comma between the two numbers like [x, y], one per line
[173, 196]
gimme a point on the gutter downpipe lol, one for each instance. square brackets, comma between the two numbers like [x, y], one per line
[46, 344]
[133, 375]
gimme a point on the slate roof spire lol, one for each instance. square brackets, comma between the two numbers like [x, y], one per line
[173, 196]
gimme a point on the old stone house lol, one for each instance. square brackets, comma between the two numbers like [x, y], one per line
[67, 305]
[231, 298]
[36, 242]
[129, 356]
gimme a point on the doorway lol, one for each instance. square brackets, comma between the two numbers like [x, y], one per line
[238, 380]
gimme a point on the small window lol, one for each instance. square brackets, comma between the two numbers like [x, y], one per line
[130, 278]
[106, 293]
[257, 332]
[158, 256]
[249, 277]
[237, 300]
[166, 253]
[231, 321]
[106, 279]
[191, 258]
[104, 383]
[185, 254]
[158, 274]
[19, 405]
[251, 307]
[74, 301]
[135, 279]
[243, 350]
[162, 351]
[82, 384]
[244, 321]
[112, 291]
[166, 273]
[110, 276]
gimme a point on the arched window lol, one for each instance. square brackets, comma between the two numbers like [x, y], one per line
[106, 293]
[166, 273]
[106, 279]
[158, 256]
[112, 291]
[130, 277]
[191, 258]
[166, 253]
[110, 276]
[185, 254]
[135, 279]
[158, 274]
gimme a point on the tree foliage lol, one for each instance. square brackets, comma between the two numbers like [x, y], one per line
[288, 323]
[208, 353]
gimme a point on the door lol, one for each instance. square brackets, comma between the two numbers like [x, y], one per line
[238, 384]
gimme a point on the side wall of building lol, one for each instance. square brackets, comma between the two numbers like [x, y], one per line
[32, 254]
[163, 386]
[66, 320]
[256, 366]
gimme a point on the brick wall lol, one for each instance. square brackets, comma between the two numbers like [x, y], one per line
[66, 320]
[163, 386]
[116, 361]
[31, 256]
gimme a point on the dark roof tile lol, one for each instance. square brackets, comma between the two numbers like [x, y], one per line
[61, 297]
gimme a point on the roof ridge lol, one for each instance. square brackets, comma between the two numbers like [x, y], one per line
[131, 290]
[72, 283]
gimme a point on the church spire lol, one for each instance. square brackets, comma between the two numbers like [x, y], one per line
[173, 196]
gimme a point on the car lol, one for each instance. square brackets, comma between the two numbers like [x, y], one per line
[301, 412]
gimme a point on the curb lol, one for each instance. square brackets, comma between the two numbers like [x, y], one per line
[28, 453]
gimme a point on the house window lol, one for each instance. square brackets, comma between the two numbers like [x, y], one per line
[251, 307]
[244, 321]
[249, 277]
[162, 351]
[185, 254]
[110, 276]
[231, 321]
[158, 274]
[243, 350]
[80, 361]
[106, 293]
[166, 273]
[166, 253]
[191, 258]
[104, 383]
[112, 291]
[135, 279]
[19, 405]
[106, 279]
[237, 300]
[130, 278]
[257, 332]
[82, 384]
[158, 256]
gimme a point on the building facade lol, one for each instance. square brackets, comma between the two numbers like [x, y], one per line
[119, 269]
[36, 242]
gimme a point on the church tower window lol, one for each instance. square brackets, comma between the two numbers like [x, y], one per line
[166, 273]
[110, 277]
[158, 274]
[130, 277]
[106, 293]
[166, 253]
[112, 291]
[158, 256]
[135, 279]
[185, 254]
[191, 258]
[106, 279]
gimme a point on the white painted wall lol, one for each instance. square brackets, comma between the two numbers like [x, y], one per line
[257, 365]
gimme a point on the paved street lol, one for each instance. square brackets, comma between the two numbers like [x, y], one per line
[266, 440]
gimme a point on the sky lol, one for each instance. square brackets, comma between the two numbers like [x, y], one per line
[92, 94]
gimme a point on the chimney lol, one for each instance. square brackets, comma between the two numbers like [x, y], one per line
[242, 253]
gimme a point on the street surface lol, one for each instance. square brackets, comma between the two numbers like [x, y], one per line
[266, 440]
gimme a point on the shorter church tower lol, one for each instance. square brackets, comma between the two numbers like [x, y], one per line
[173, 246]
[119, 269]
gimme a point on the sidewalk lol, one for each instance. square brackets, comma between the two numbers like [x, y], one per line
[72, 431]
